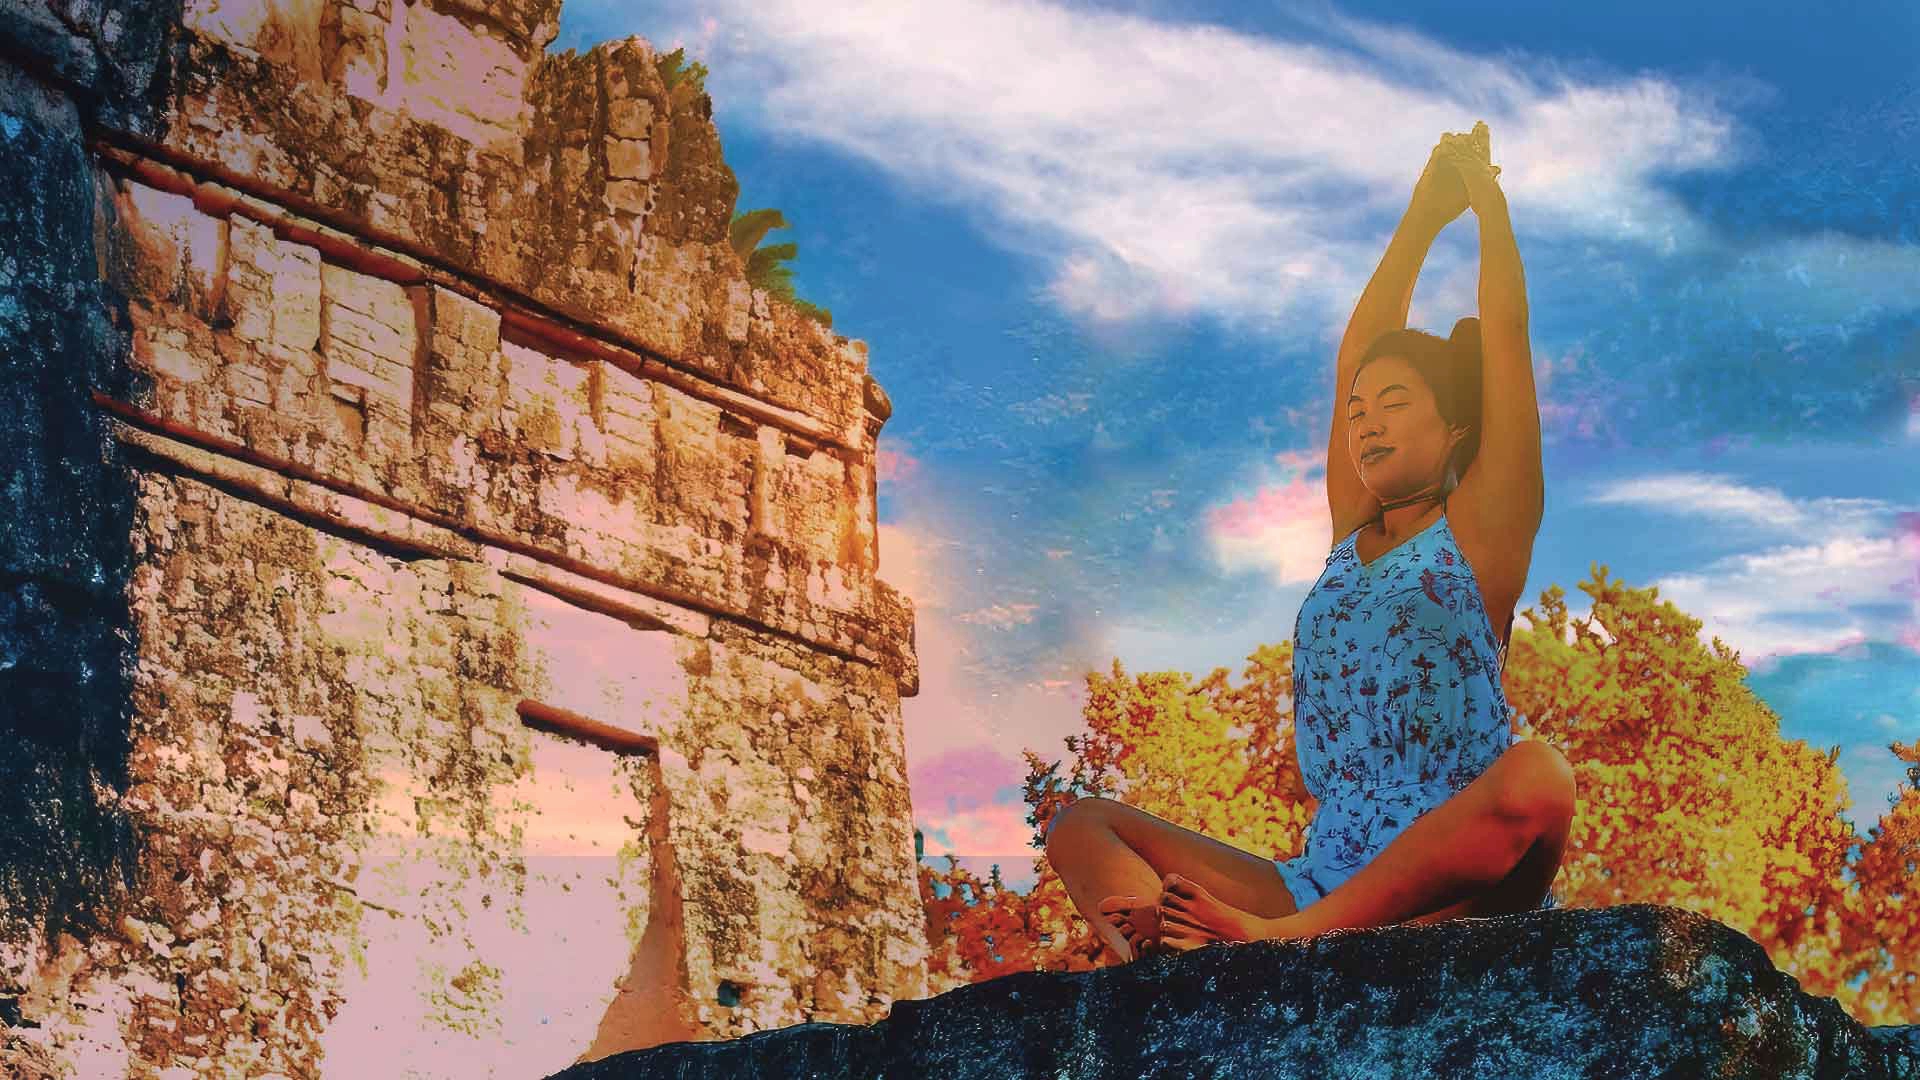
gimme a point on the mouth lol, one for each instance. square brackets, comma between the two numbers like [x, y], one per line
[1375, 454]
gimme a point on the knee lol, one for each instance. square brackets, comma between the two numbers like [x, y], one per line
[1540, 785]
[1070, 825]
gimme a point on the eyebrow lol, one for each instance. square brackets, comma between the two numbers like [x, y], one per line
[1351, 398]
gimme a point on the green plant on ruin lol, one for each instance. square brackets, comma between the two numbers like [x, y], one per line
[766, 267]
[685, 81]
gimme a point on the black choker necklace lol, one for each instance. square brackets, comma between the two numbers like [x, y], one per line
[1408, 501]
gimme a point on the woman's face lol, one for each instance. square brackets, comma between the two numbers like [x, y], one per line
[1392, 408]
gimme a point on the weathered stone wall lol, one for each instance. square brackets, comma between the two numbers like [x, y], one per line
[445, 433]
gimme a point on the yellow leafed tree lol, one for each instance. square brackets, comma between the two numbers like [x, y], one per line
[1688, 796]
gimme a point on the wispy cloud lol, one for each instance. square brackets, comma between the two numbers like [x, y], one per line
[1000, 616]
[1051, 407]
[1703, 494]
[966, 727]
[1164, 169]
[894, 465]
[1843, 572]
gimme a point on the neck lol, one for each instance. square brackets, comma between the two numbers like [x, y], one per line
[1397, 516]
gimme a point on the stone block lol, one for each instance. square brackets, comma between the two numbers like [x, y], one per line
[629, 159]
[629, 196]
[630, 118]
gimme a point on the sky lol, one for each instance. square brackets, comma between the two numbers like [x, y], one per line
[1102, 256]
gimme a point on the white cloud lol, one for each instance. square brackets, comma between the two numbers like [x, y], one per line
[1049, 408]
[1163, 168]
[1712, 496]
[1000, 616]
[1815, 593]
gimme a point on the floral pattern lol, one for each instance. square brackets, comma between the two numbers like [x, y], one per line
[1397, 699]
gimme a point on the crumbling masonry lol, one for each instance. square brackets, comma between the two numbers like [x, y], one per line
[506, 674]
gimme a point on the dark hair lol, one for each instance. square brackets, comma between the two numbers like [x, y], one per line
[1451, 367]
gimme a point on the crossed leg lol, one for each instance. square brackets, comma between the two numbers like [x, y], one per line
[1494, 847]
[1106, 850]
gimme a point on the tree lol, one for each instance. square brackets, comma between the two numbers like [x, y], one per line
[1687, 795]
[1879, 934]
[1209, 756]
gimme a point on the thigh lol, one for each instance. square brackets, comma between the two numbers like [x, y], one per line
[1241, 878]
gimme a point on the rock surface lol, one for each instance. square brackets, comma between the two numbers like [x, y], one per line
[1632, 991]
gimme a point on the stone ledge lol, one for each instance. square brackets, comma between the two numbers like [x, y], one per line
[1631, 991]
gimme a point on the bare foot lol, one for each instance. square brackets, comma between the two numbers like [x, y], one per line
[1137, 920]
[1190, 917]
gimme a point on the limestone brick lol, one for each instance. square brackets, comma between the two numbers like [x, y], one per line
[486, 519]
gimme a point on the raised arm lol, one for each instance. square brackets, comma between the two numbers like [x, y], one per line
[1438, 197]
[1508, 494]
[1497, 507]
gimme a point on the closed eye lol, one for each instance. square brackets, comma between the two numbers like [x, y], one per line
[1363, 412]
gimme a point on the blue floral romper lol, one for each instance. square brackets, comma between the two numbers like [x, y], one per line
[1397, 699]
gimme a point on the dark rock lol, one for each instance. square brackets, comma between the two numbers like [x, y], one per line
[66, 517]
[110, 55]
[1630, 991]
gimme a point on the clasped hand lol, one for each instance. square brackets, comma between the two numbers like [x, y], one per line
[1459, 174]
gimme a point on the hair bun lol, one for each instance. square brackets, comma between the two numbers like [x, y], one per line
[1466, 332]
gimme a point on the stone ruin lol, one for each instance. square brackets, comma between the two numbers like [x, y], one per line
[443, 630]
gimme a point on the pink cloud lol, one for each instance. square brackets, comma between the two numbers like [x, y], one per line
[966, 728]
[909, 562]
[1271, 506]
[962, 779]
[1282, 529]
[990, 830]
[895, 466]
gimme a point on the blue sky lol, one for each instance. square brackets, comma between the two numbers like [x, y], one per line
[1102, 255]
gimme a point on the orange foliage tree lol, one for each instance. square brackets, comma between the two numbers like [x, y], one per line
[1687, 796]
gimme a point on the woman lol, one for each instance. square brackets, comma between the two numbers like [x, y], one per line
[1428, 809]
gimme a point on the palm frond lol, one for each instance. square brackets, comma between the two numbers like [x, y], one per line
[750, 227]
